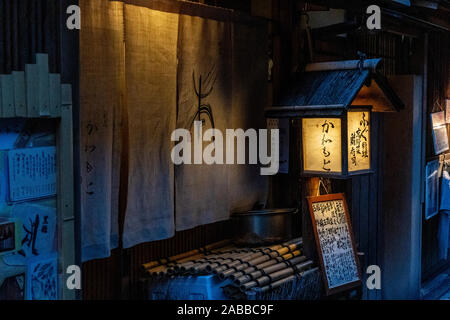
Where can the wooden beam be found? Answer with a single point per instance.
(342, 65)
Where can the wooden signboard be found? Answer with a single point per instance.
(335, 244)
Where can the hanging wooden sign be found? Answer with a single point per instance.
(334, 240)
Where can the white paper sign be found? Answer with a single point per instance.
(283, 126)
(335, 243)
(32, 173)
(431, 189)
(38, 231)
(42, 278)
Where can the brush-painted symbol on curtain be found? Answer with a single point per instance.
(203, 88)
(89, 167)
(89, 150)
(90, 185)
(91, 128)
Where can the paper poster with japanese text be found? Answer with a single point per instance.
(32, 173)
(38, 231)
(42, 278)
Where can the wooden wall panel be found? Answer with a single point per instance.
(402, 207)
(364, 197)
(438, 89)
(28, 27)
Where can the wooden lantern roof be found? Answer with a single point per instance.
(330, 88)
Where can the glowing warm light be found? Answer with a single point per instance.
(358, 134)
(322, 145)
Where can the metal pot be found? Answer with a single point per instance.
(261, 227)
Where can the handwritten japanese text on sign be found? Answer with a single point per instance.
(32, 173)
(336, 248)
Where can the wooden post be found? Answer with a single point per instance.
(65, 199)
(310, 188)
(70, 66)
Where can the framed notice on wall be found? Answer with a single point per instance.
(335, 242)
(32, 173)
(447, 111)
(9, 235)
(440, 138)
(432, 189)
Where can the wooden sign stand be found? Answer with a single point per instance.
(332, 198)
(36, 93)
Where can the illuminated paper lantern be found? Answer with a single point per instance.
(337, 146)
(336, 103)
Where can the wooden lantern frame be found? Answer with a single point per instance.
(332, 89)
(38, 94)
(345, 173)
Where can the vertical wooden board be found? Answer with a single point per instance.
(39, 22)
(380, 231)
(55, 95)
(364, 230)
(2, 41)
(31, 79)
(20, 102)
(43, 84)
(355, 210)
(66, 94)
(373, 202)
(1, 104)
(364, 213)
(15, 35)
(7, 40)
(402, 208)
(7, 87)
(65, 195)
(23, 33)
(67, 179)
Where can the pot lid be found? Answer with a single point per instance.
(264, 212)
